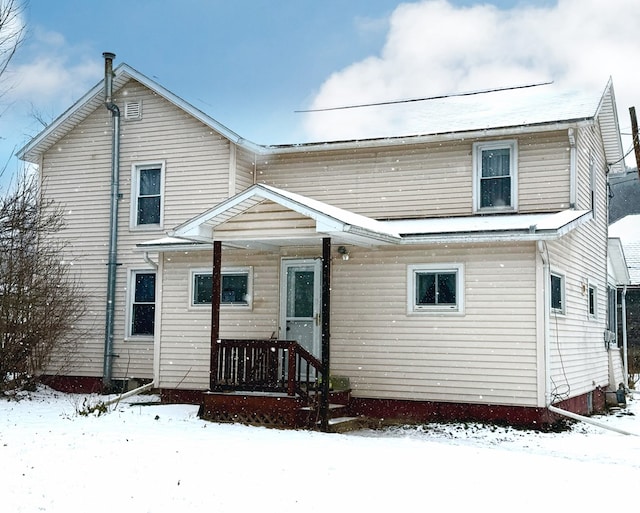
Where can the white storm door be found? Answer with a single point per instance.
(300, 303)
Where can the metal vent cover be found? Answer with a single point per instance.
(133, 110)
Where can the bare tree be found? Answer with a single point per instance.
(12, 30)
(40, 301)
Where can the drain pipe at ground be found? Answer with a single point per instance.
(130, 393)
(588, 420)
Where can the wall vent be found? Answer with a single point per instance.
(133, 110)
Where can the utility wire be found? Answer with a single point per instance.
(439, 97)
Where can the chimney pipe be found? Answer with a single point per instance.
(108, 76)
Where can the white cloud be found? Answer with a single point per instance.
(434, 47)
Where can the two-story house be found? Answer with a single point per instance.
(455, 267)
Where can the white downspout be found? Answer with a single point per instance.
(572, 169)
(546, 279)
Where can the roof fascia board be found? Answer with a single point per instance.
(122, 74)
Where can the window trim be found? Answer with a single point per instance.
(563, 293)
(225, 270)
(414, 269)
(135, 189)
(131, 290)
(478, 148)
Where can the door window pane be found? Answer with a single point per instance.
(300, 293)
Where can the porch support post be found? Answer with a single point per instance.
(326, 312)
(215, 312)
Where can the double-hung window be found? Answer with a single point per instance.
(147, 186)
(435, 288)
(495, 176)
(235, 287)
(142, 303)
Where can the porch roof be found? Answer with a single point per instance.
(346, 227)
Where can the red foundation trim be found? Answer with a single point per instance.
(74, 384)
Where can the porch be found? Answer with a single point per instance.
(274, 383)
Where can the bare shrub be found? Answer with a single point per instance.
(40, 300)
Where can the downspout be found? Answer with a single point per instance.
(546, 279)
(572, 168)
(113, 220)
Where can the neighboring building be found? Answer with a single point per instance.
(456, 268)
(624, 195)
(627, 230)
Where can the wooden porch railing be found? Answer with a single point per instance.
(264, 366)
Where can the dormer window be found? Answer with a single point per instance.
(495, 176)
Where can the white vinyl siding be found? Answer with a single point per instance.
(77, 174)
(420, 180)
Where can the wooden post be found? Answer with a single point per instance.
(216, 277)
(634, 135)
(326, 324)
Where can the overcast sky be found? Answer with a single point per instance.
(251, 64)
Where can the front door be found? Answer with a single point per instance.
(300, 303)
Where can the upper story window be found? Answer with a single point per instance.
(435, 288)
(495, 176)
(147, 183)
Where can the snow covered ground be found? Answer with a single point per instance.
(162, 458)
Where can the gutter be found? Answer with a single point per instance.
(113, 221)
(130, 393)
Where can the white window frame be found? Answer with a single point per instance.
(415, 309)
(590, 287)
(478, 148)
(248, 270)
(135, 193)
(563, 293)
(131, 290)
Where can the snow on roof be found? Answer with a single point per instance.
(523, 226)
(536, 105)
(627, 230)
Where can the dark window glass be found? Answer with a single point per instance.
(556, 292)
(592, 301)
(235, 289)
(143, 307)
(149, 197)
(436, 288)
(495, 179)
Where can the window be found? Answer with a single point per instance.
(557, 293)
(143, 303)
(592, 300)
(147, 186)
(495, 178)
(435, 288)
(235, 287)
